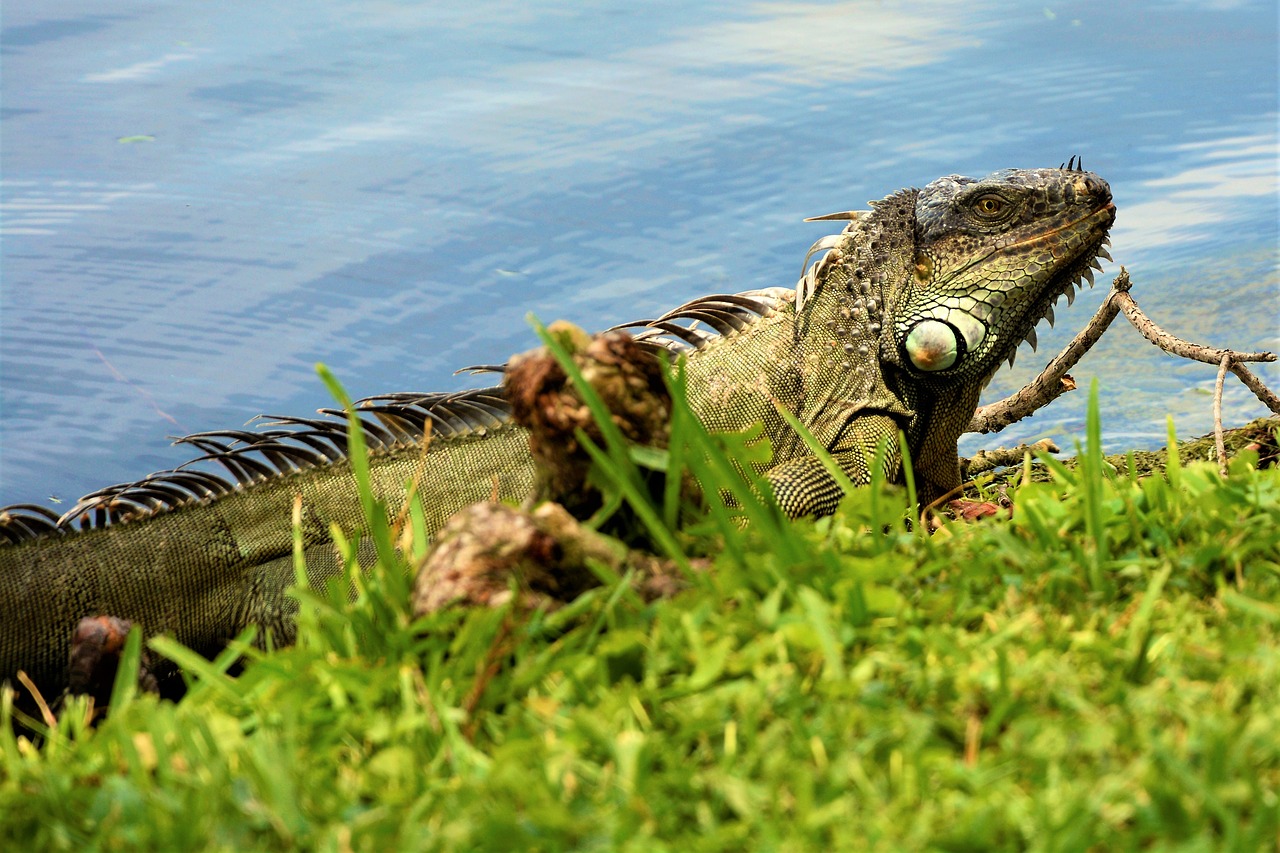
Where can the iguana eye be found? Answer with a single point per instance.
(933, 345)
(989, 206)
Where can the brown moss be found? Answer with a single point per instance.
(628, 380)
(488, 552)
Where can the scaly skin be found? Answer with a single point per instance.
(900, 324)
(942, 284)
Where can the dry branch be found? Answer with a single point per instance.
(1218, 442)
(1053, 381)
(988, 460)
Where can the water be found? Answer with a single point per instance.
(201, 201)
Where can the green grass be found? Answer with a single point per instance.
(1102, 671)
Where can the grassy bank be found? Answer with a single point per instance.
(1102, 670)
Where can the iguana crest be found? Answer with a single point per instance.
(391, 422)
(251, 457)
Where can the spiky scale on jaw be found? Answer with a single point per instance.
(957, 273)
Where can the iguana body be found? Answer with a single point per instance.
(899, 326)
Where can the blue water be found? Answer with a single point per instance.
(201, 201)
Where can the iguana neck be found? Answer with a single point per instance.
(844, 311)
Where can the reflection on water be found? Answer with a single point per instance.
(138, 70)
(199, 203)
(30, 207)
(1207, 194)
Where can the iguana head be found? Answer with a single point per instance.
(992, 255)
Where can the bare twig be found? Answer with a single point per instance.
(1254, 384)
(1217, 413)
(927, 518)
(1053, 381)
(485, 671)
(1225, 359)
(1177, 346)
(45, 712)
(972, 740)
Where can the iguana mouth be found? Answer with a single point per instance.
(1106, 211)
(1109, 209)
(1070, 276)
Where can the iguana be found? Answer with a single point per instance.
(898, 325)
